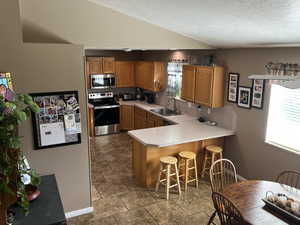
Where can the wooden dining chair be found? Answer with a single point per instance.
(222, 173)
(290, 178)
(228, 213)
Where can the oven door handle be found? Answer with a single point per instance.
(107, 107)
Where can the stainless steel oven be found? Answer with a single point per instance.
(106, 113)
(99, 81)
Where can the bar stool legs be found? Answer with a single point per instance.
(185, 158)
(165, 168)
(214, 151)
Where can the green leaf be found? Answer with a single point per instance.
(21, 116)
(27, 99)
(21, 97)
(10, 105)
(34, 107)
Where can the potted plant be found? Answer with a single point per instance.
(14, 110)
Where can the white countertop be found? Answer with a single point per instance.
(187, 129)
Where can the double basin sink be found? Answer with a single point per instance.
(165, 112)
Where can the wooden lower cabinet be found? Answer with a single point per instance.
(91, 124)
(144, 119)
(145, 159)
(154, 121)
(127, 117)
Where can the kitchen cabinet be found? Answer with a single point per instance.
(203, 85)
(140, 118)
(127, 117)
(144, 119)
(154, 121)
(94, 65)
(91, 124)
(108, 64)
(125, 73)
(188, 83)
(209, 87)
(100, 65)
(150, 75)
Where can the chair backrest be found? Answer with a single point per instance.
(228, 213)
(222, 173)
(290, 178)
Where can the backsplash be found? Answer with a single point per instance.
(225, 116)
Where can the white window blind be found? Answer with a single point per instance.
(283, 127)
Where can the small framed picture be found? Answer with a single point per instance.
(258, 88)
(244, 97)
(232, 90)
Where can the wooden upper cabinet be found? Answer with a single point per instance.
(94, 65)
(108, 65)
(144, 75)
(151, 76)
(209, 88)
(203, 85)
(125, 73)
(188, 83)
(100, 65)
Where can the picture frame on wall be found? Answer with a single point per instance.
(244, 97)
(258, 89)
(233, 84)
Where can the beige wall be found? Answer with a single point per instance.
(254, 158)
(44, 68)
(94, 26)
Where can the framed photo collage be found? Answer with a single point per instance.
(245, 97)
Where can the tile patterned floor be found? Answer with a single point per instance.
(117, 200)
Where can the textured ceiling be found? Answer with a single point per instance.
(221, 23)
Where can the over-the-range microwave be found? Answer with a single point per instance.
(99, 81)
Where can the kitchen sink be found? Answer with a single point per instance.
(165, 112)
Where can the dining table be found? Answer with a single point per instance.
(247, 196)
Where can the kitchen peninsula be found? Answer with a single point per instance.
(152, 143)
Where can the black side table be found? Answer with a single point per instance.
(47, 209)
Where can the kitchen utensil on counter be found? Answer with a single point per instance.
(150, 98)
(128, 97)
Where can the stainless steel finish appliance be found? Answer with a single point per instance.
(128, 97)
(106, 113)
(99, 81)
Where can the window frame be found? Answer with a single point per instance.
(274, 143)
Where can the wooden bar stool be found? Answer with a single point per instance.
(166, 164)
(210, 156)
(186, 158)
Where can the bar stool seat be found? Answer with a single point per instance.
(214, 149)
(168, 160)
(185, 158)
(166, 164)
(210, 156)
(187, 155)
